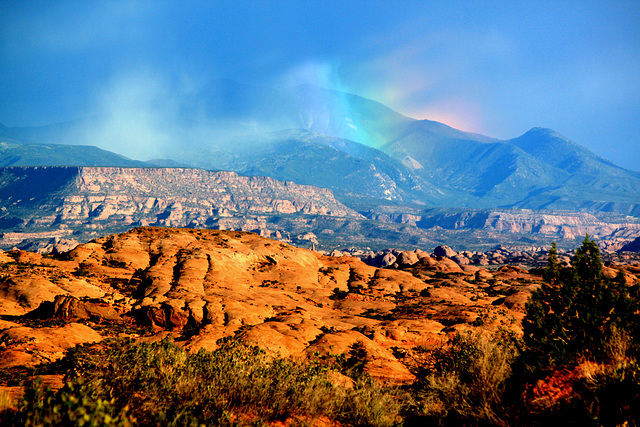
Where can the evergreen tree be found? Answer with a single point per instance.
(572, 315)
(551, 272)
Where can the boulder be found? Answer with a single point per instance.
(167, 315)
(462, 260)
(444, 251)
(407, 258)
(68, 308)
(387, 259)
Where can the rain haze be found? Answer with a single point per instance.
(493, 68)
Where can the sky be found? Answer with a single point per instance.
(496, 68)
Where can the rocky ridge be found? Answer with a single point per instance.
(561, 225)
(202, 285)
(52, 209)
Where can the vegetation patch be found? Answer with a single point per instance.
(120, 382)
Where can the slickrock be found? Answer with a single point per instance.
(198, 286)
(444, 251)
(380, 364)
(26, 346)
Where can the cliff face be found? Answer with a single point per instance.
(180, 196)
(105, 198)
(55, 208)
(555, 225)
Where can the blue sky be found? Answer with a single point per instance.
(497, 68)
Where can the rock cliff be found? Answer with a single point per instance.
(39, 200)
(559, 225)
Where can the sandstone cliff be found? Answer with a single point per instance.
(57, 201)
(610, 229)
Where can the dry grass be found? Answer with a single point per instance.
(467, 380)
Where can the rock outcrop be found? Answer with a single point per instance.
(633, 246)
(199, 286)
(77, 201)
(558, 225)
(203, 285)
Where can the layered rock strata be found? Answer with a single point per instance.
(55, 202)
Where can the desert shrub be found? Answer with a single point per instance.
(72, 405)
(368, 403)
(609, 393)
(5, 401)
(355, 362)
(160, 383)
(338, 294)
(463, 382)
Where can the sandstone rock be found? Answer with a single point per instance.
(440, 264)
(482, 260)
(282, 338)
(444, 251)
(380, 362)
(23, 294)
(407, 258)
(462, 260)
(68, 308)
(29, 347)
(421, 253)
(387, 260)
(168, 315)
(518, 300)
(226, 283)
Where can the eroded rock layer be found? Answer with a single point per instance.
(202, 285)
(55, 202)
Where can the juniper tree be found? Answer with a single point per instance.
(573, 314)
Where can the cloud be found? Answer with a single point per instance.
(132, 115)
(436, 73)
(68, 27)
(144, 113)
(321, 73)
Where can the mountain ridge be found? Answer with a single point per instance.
(370, 154)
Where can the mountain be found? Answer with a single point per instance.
(17, 154)
(369, 154)
(550, 147)
(539, 170)
(355, 172)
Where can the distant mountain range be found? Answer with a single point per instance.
(368, 154)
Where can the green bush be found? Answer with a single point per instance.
(584, 325)
(571, 317)
(160, 383)
(70, 406)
